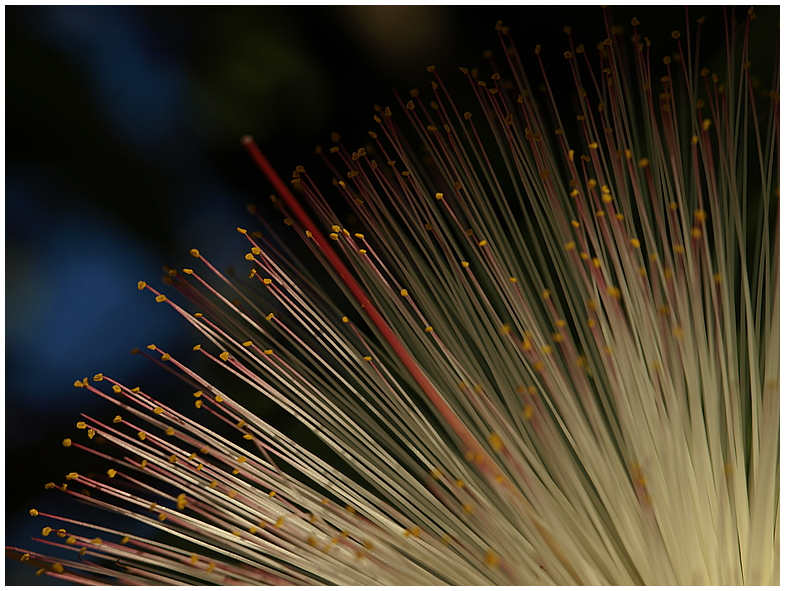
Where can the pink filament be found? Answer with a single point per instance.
(354, 287)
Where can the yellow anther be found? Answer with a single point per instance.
(169, 431)
(224, 356)
(158, 410)
(404, 293)
(116, 389)
(495, 441)
(569, 246)
(111, 472)
(218, 398)
(71, 476)
(575, 224)
(33, 512)
(160, 298)
(429, 329)
(491, 559)
(141, 285)
(367, 358)
(614, 292)
(546, 294)
(142, 435)
(635, 243)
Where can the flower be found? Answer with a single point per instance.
(557, 363)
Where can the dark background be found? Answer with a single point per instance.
(122, 153)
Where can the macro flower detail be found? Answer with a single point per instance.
(553, 358)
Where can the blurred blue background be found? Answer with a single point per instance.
(122, 153)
